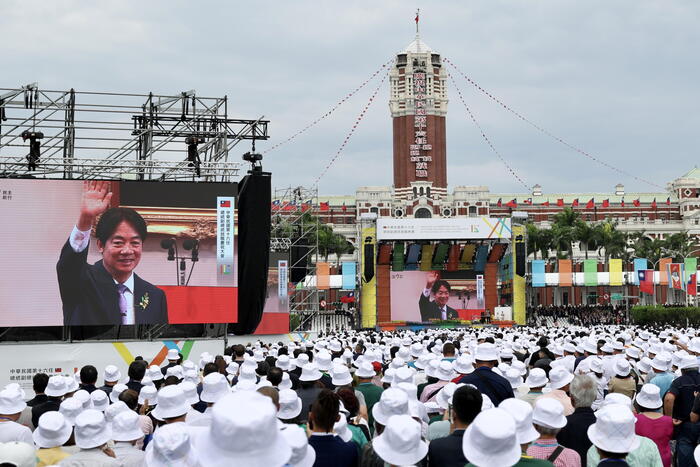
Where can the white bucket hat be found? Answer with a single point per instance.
(190, 390)
(537, 378)
(613, 430)
(661, 361)
(91, 430)
(491, 439)
(404, 375)
(284, 363)
(18, 454)
(191, 376)
(644, 365)
(622, 367)
(100, 400)
(154, 373)
(290, 405)
(115, 409)
(649, 397)
(400, 443)
(126, 427)
(444, 396)
(171, 447)
(521, 412)
(243, 431)
(688, 361)
(617, 398)
(309, 372)
(463, 365)
(559, 377)
(340, 375)
(393, 401)
(341, 429)
(84, 397)
(11, 401)
(286, 382)
(303, 455)
(53, 430)
(214, 387)
(173, 354)
(514, 378)
(112, 374)
(176, 371)
(150, 394)
(486, 352)
(444, 371)
(71, 408)
(72, 384)
(388, 376)
(365, 370)
(171, 403)
(117, 389)
(232, 368)
(323, 360)
(549, 413)
(56, 386)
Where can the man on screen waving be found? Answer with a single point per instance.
(437, 309)
(108, 292)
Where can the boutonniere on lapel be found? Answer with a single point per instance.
(143, 303)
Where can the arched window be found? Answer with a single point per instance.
(427, 192)
(423, 213)
(472, 211)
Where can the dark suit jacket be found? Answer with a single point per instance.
(430, 310)
(447, 452)
(41, 409)
(571, 435)
(39, 399)
(90, 295)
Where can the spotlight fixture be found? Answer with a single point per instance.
(34, 147)
(192, 153)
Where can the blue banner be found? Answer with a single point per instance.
(538, 278)
(349, 275)
(639, 264)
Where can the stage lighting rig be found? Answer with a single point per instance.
(34, 147)
(193, 153)
(255, 160)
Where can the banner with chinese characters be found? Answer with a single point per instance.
(283, 278)
(443, 229)
(225, 206)
(421, 145)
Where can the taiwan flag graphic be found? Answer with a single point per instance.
(225, 203)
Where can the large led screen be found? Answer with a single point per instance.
(117, 253)
(423, 296)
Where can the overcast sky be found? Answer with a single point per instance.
(618, 79)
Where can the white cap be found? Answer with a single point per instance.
(173, 354)
(486, 352)
(491, 439)
(117, 389)
(100, 400)
(649, 397)
(521, 412)
(303, 455)
(114, 410)
(171, 403)
(613, 430)
(340, 375)
(309, 372)
(393, 401)
(56, 386)
(150, 394)
(18, 454)
(365, 370)
(559, 377)
(11, 401)
(53, 430)
(71, 408)
(171, 447)
(549, 413)
(126, 427)
(214, 387)
(243, 431)
(400, 443)
(290, 405)
(537, 378)
(112, 374)
(91, 431)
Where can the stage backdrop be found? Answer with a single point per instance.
(407, 288)
(39, 215)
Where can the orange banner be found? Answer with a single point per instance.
(323, 276)
(565, 276)
(663, 272)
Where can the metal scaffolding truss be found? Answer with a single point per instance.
(295, 226)
(106, 134)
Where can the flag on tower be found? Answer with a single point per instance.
(668, 201)
(622, 202)
(653, 204)
(343, 207)
(417, 15)
(512, 203)
(606, 203)
(575, 202)
(636, 202)
(646, 280)
(499, 203)
(560, 202)
(590, 204)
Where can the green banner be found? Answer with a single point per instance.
(590, 272)
(691, 267)
(616, 296)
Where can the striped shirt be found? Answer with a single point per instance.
(542, 448)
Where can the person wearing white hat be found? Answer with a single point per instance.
(171, 447)
(444, 374)
(535, 381)
(494, 386)
(17, 454)
(679, 404)
(71, 408)
(548, 419)
(465, 406)
(330, 449)
(661, 375)
(51, 434)
(583, 391)
(174, 359)
(290, 406)
(559, 380)
(126, 432)
(190, 391)
(243, 431)
(11, 406)
(111, 376)
(55, 390)
(393, 401)
(92, 435)
(371, 392)
(309, 388)
(651, 423)
(100, 400)
(492, 440)
(303, 455)
(172, 405)
(400, 443)
(623, 381)
(116, 392)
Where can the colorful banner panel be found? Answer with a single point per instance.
(640, 264)
(443, 229)
(676, 276)
(691, 267)
(565, 276)
(349, 273)
(590, 272)
(538, 276)
(663, 270)
(323, 276)
(615, 267)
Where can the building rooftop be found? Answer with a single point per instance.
(418, 46)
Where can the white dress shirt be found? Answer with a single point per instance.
(443, 309)
(79, 240)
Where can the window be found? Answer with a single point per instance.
(423, 213)
(472, 211)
